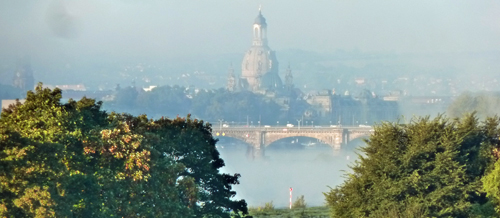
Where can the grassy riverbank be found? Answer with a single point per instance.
(285, 212)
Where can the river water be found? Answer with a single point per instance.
(309, 170)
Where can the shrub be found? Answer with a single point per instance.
(299, 202)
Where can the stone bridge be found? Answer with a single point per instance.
(259, 138)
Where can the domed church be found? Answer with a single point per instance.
(259, 69)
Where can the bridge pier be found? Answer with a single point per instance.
(255, 153)
(256, 139)
(345, 137)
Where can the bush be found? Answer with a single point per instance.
(268, 206)
(299, 203)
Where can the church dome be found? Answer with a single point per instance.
(259, 69)
(260, 19)
(258, 61)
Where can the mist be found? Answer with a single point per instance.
(73, 40)
(310, 171)
(420, 48)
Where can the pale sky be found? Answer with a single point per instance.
(51, 29)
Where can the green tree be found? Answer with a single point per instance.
(491, 182)
(484, 104)
(49, 163)
(73, 159)
(125, 99)
(300, 202)
(164, 101)
(433, 167)
(235, 106)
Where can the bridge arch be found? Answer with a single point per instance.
(334, 140)
(232, 144)
(355, 144)
(252, 137)
(354, 134)
(295, 142)
(228, 140)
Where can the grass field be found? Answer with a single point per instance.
(294, 213)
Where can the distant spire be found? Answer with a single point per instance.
(289, 78)
(260, 8)
(231, 80)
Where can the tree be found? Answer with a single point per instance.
(164, 101)
(300, 202)
(433, 167)
(46, 162)
(73, 159)
(484, 104)
(190, 143)
(125, 99)
(491, 182)
(235, 106)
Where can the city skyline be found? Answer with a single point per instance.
(132, 29)
(100, 44)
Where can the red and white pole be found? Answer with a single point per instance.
(291, 189)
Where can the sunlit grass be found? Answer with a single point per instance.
(285, 212)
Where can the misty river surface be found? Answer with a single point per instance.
(309, 171)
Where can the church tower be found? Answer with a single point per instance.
(231, 80)
(289, 79)
(260, 31)
(259, 69)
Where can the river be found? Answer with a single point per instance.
(308, 169)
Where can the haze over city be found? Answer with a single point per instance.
(298, 94)
(65, 39)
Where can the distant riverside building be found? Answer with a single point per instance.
(67, 87)
(259, 69)
(148, 89)
(7, 102)
(78, 87)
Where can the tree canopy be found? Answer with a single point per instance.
(211, 104)
(426, 168)
(76, 160)
(484, 104)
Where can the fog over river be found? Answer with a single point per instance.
(309, 168)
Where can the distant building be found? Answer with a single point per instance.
(77, 87)
(7, 102)
(289, 79)
(259, 69)
(260, 74)
(360, 81)
(77, 95)
(148, 89)
(231, 80)
(321, 103)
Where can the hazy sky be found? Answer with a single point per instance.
(53, 29)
